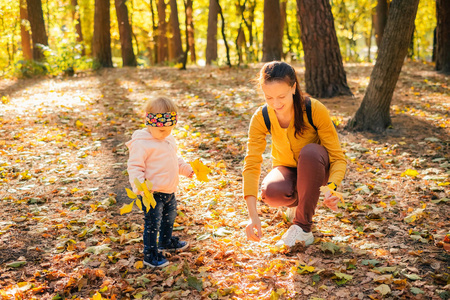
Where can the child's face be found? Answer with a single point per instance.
(160, 133)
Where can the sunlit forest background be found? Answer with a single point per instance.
(354, 23)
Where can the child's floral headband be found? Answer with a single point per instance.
(161, 119)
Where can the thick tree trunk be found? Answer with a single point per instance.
(175, 41)
(190, 30)
(38, 33)
(373, 114)
(101, 41)
(77, 20)
(443, 36)
(126, 34)
(381, 20)
(24, 33)
(163, 49)
(211, 40)
(324, 71)
(272, 35)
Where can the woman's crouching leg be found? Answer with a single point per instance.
(279, 187)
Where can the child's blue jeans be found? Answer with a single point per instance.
(159, 220)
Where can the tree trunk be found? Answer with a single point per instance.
(163, 50)
(154, 37)
(24, 33)
(443, 36)
(175, 41)
(77, 21)
(101, 41)
(272, 34)
(126, 34)
(190, 30)
(211, 40)
(38, 33)
(223, 34)
(381, 20)
(373, 114)
(324, 71)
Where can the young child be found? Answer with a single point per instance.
(153, 156)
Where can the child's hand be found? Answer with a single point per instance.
(191, 175)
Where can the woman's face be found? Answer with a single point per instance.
(279, 96)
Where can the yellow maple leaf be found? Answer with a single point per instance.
(201, 171)
(139, 264)
(79, 124)
(410, 173)
(97, 296)
(126, 208)
(326, 188)
(139, 204)
(131, 194)
(138, 184)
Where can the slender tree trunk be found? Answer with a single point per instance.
(38, 33)
(186, 23)
(283, 24)
(154, 37)
(101, 41)
(211, 40)
(126, 34)
(324, 71)
(24, 33)
(77, 21)
(177, 48)
(373, 114)
(190, 30)
(163, 50)
(443, 36)
(381, 20)
(272, 35)
(223, 34)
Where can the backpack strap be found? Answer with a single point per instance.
(308, 112)
(266, 117)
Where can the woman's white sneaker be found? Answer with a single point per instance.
(293, 235)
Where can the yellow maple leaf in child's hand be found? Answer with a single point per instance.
(139, 204)
(131, 194)
(126, 208)
(138, 185)
(326, 188)
(201, 171)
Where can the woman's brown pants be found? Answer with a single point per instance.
(285, 186)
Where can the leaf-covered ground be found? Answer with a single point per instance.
(63, 179)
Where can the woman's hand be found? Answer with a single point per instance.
(331, 201)
(255, 222)
(250, 230)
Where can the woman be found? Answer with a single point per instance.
(304, 156)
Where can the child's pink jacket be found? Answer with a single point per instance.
(155, 160)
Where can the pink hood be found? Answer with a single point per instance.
(155, 160)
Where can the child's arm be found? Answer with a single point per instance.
(185, 168)
(136, 165)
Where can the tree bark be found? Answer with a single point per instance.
(175, 41)
(373, 114)
(126, 34)
(101, 41)
(223, 34)
(211, 40)
(443, 36)
(382, 10)
(77, 20)
(38, 33)
(154, 37)
(272, 34)
(163, 50)
(324, 71)
(190, 30)
(24, 33)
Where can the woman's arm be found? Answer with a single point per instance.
(255, 222)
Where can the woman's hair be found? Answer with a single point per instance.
(282, 72)
(160, 105)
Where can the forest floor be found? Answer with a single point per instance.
(63, 179)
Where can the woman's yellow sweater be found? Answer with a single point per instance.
(286, 147)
